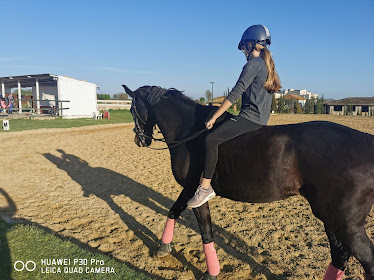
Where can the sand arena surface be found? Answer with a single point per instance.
(95, 185)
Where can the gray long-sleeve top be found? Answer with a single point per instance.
(256, 101)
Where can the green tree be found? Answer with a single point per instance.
(120, 96)
(238, 104)
(103, 96)
(24, 92)
(305, 108)
(297, 108)
(318, 107)
(309, 106)
(281, 104)
(273, 104)
(348, 109)
(208, 95)
(324, 106)
(202, 100)
(289, 106)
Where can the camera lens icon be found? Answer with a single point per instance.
(20, 266)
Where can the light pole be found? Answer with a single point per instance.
(212, 90)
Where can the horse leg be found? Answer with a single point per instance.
(344, 220)
(339, 255)
(363, 250)
(202, 214)
(349, 229)
(350, 238)
(178, 207)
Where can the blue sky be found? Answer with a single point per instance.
(323, 46)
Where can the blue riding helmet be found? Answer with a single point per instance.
(255, 34)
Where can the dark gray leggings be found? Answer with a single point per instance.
(228, 130)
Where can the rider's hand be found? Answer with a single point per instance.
(210, 123)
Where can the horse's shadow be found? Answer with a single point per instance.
(105, 183)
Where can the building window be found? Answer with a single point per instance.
(365, 109)
(338, 108)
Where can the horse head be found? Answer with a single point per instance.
(141, 109)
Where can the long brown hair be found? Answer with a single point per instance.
(272, 83)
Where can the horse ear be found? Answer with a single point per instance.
(128, 91)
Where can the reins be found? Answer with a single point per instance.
(176, 143)
(140, 132)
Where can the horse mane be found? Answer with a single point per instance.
(152, 94)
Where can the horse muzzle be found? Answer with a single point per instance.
(137, 141)
(142, 141)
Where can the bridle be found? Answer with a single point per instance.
(137, 130)
(140, 133)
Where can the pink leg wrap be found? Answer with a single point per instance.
(167, 236)
(211, 259)
(333, 273)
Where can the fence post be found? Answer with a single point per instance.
(19, 98)
(37, 96)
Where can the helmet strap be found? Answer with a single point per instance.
(250, 51)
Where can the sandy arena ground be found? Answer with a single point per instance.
(94, 185)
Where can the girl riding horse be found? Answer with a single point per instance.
(256, 84)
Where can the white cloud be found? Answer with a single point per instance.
(20, 66)
(12, 58)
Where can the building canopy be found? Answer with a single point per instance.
(29, 80)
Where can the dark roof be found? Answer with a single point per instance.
(29, 80)
(353, 101)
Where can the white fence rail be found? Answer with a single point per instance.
(113, 104)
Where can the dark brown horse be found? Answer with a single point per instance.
(331, 165)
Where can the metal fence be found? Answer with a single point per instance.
(54, 110)
(113, 104)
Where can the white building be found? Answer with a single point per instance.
(300, 92)
(73, 98)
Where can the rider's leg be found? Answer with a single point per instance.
(230, 129)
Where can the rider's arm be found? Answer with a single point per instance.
(223, 108)
(248, 74)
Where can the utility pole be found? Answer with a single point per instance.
(212, 90)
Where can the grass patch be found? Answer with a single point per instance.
(233, 112)
(27, 242)
(116, 116)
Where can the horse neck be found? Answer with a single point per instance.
(176, 118)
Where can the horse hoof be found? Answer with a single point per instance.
(207, 276)
(164, 250)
